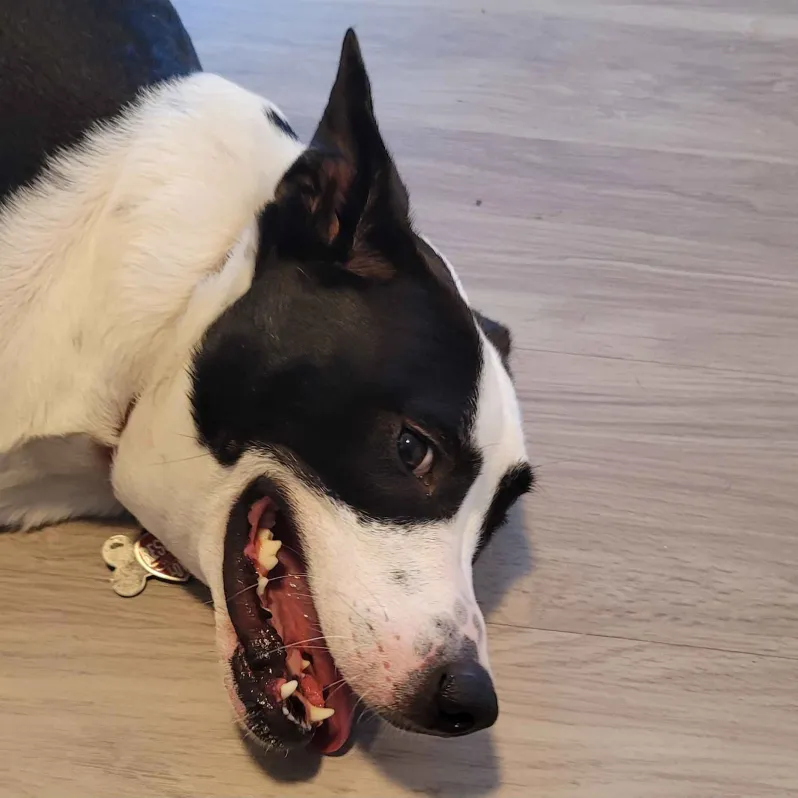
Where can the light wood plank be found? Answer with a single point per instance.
(616, 180)
(123, 697)
(650, 76)
(666, 506)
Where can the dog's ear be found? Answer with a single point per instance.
(345, 184)
(348, 124)
(497, 334)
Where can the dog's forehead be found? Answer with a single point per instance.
(411, 339)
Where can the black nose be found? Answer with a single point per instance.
(457, 698)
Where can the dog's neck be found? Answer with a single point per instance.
(116, 261)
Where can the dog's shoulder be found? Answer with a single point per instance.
(125, 233)
(67, 65)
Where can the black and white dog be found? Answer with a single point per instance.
(245, 343)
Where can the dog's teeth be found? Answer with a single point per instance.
(305, 665)
(267, 563)
(262, 582)
(267, 550)
(288, 689)
(319, 714)
(270, 547)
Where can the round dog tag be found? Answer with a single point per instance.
(155, 559)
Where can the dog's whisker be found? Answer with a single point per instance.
(210, 602)
(183, 459)
(235, 595)
(293, 551)
(316, 639)
(335, 687)
(351, 606)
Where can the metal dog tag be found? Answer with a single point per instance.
(133, 562)
(156, 560)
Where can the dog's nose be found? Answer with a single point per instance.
(466, 700)
(457, 698)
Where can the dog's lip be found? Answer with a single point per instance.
(259, 664)
(265, 718)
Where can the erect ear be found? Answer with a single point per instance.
(497, 334)
(346, 181)
(349, 127)
(348, 124)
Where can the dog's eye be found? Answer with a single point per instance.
(415, 452)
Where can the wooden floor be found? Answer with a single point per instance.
(620, 182)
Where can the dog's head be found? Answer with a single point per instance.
(343, 440)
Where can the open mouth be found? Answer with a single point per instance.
(284, 674)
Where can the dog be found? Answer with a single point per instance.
(243, 342)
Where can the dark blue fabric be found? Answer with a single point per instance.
(67, 64)
(159, 46)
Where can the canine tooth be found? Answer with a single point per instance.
(264, 535)
(288, 689)
(305, 665)
(262, 582)
(319, 714)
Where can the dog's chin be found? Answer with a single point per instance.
(286, 680)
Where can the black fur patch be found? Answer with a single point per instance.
(280, 123)
(498, 335)
(514, 484)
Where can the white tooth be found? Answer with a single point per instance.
(305, 664)
(270, 547)
(264, 535)
(267, 563)
(319, 714)
(288, 689)
(262, 582)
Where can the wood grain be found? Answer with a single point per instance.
(618, 181)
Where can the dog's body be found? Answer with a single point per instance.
(201, 318)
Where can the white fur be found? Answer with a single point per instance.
(146, 228)
(113, 266)
(47, 479)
